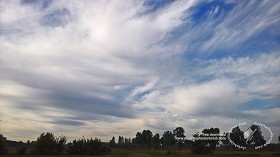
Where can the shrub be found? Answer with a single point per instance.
(200, 147)
(48, 144)
(3, 149)
(88, 147)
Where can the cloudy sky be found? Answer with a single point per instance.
(108, 68)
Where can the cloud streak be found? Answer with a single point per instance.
(130, 65)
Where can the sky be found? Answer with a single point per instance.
(115, 67)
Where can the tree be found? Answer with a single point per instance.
(3, 149)
(121, 140)
(212, 132)
(96, 147)
(203, 146)
(257, 138)
(144, 139)
(147, 137)
(200, 146)
(179, 133)
(279, 138)
(225, 143)
(48, 144)
(60, 144)
(138, 139)
(156, 140)
(45, 144)
(112, 142)
(237, 136)
(127, 141)
(168, 139)
(87, 147)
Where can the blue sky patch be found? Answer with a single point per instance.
(261, 104)
(211, 10)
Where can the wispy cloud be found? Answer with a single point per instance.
(98, 65)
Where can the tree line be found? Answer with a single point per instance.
(49, 144)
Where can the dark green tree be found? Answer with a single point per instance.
(200, 146)
(179, 133)
(77, 147)
(156, 140)
(168, 139)
(237, 136)
(147, 137)
(60, 144)
(127, 141)
(112, 142)
(88, 147)
(121, 140)
(3, 148)
(225, 143)
(138, 140)
(45, 144)
(207, 145)
(257, 138)
(212, 132)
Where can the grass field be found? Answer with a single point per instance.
(177, 153)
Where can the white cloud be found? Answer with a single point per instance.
(98, 57)
(68, 51)
(194, 98)
(257, 75)
(217, 102)
(241, 23)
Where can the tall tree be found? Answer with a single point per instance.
(60, 144)
(121, 140)
(147, 137)
(226, 143)
(257, 137)
(138, 139)
(212, 132)
(179, 133)
(156, 140)
(168, 139)
(201, 146)
(112, 142)
(45, 144)
(237, 136)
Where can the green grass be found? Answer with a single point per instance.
(172, 153)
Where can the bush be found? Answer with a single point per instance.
(3, 149)
(60, 144)
(200, 147)
(88, 147)
(48, 144)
